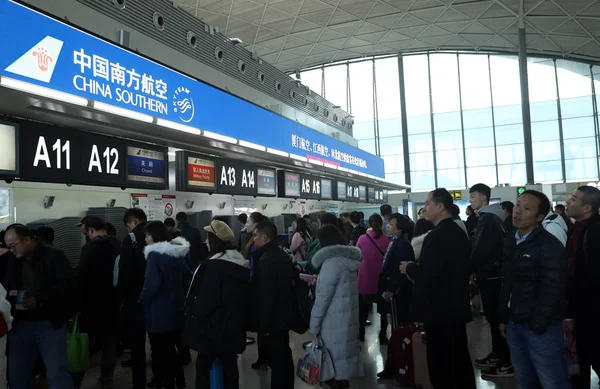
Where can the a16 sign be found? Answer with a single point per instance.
(236, 178)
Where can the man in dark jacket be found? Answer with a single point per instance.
(214, 322)
(560, 209)
(584, 279)
(440, 297)
(276, 299)
(532, 299)
(486, 260)
(40, 285)
(358, 230)
(192, 235)
(507, 208)
(132, 271)
(471, 222)
(99, 306)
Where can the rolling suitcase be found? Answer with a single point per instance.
(410, 354)
(216, 375)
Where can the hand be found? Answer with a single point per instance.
(403, 266)
(502, 328)
(387, 296)
(313, 282)
(29, 303)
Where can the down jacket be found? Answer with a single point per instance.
(335, 313)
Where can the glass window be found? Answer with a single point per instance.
(361, 90)
(506, 81)
(514, 174)
(396, 178)
(389, 146)
(578, 128)
(390, 127)
(481, 156)
(335, 86)
(582, 169)
(546, 151)
(451, 178)
(417, 85)
(480, 137)
(542, 89)
(394, 163)
(421, 161)
(422, 180)
(419, 124)
(364, 130)
(367, 145)
(4, 208)
(313, 79)
(543, 110)
(444, 83)
(449, 159)
(419, 143)
(483, 174)
(508, 114)
(446, 121)
(475, 83)
(451, 140)
(511, 153)
(550, 171)
(388, 89)
(506, 135)
(477, 118)
(542, 131)
(580, 148)
(575, 88)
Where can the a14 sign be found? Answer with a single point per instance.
(236, 178)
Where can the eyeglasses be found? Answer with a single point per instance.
(13, 248)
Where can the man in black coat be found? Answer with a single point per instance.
(440, 297)
(534, 279)
(358, 229)
(584, 279)
(276, 301)
(41, 286)
(99, 305)
(132, 273)
(192, 235)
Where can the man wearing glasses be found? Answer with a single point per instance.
(40, 284)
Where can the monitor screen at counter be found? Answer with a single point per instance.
(266, 182)
(8, 156)
(341, 190)
(145, 165)
(200, 172)
(325, 188)
(292, 184)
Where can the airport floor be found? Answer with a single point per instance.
(373, 358)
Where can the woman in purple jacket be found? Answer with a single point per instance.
(373, 245)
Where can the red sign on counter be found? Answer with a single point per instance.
(201, 173)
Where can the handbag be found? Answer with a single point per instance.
(78, 350)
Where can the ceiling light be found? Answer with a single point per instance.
(178, 126)
(343, 169)
(123, 112)
(329, 165)
(251, 145)
(42, 91)
(277, 152)
(316, 162)
(298, 157)
(172, 154)
(220, 137)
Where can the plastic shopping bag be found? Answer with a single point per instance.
(78, 351)
(316, 365)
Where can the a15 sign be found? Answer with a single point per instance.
(310, 187)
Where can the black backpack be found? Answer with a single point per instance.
(303, 299)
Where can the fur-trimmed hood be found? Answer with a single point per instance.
(177, 248)
(352, 256)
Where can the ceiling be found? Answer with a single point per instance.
(296, 34)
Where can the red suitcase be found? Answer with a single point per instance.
(410, 355)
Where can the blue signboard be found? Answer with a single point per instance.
(43, 51)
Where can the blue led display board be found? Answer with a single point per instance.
(41, 50)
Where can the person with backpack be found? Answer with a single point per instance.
(335, 314)
(132, 271)
(214, 327)
(373, 245)
(99, 306)
(275, 304)
(301, 240)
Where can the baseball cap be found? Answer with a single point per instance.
(82, 222)
(221, 230)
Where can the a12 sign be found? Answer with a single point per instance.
(236, 178)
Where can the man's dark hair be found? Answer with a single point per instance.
(442, 196)
(330, 235)
(345, 214)
(420, 210)
(385, 210)
(243, 218)
(328, 219)
(355, 217)
(46, 234)
(362, 215)
(560, 206)
(544, 202)
(455, 210)
(158, 231)
(96, 223)
(482, 189)
(591, 197)
(134, 214)
(258, 217)
(111, 229)
(169, 222)
(20, 230)
(181, 217)
(507, 206)
(267, 228)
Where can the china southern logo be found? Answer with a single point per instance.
(39, 61)
(183, 104)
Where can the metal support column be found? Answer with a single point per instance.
(596, 124)
(376, 114)
(435, 172)
(525, 102)
(462, 121)
(404, 120)
(560, 125)
(493, 118)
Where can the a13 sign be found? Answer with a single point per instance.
(236, 178)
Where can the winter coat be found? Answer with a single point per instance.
(417, 244)
(556, 225)
(193, 236)
(534, 280)
(56, 286)
(99, 305)
(471, 224)
(5, 308)
(276, 295)
(335, 313)
(507, 224)
(132, 265)
(356, 233)
(461, 224)
(488, 243)
(373, 249)
(299, 247)
(163, 295)
(214, 309)
(392, 280)
(441, 291)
